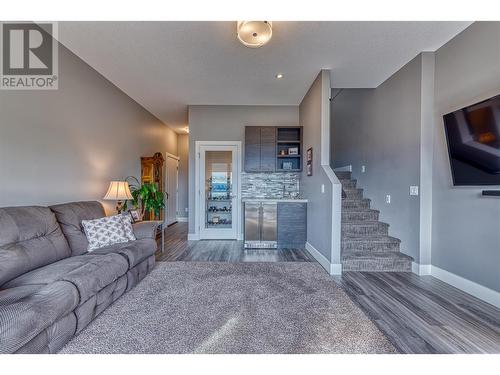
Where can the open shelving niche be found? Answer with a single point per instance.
(286, 138)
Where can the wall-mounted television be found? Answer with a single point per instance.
(473, 136)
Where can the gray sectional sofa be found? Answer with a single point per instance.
(50, 286)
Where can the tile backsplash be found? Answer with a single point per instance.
(269, 185)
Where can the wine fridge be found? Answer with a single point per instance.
(261, 225)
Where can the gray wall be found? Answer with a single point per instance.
(227, 123)
(466, 227)
(183, 154)
(380, 128)
(319, 207)
(67, 144)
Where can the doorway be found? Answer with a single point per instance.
(218, 185)
(171, 188)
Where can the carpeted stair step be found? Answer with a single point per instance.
(353, 203)
(366, 244)
(371, 244)
(343, 175)
(365, 228)
(348, 184)
(354, 193)
(376, 262)
(359, 215)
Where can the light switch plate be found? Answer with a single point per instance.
(388, 199)
(413, 190)
(363, 169)
(322, 188)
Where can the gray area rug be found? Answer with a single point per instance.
(190, 307)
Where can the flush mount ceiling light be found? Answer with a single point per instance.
(279, 75)
(254, 34)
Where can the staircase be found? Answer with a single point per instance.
(366, 244)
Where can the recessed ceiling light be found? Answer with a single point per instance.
(279, 75)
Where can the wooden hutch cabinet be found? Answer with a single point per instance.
(152, 171)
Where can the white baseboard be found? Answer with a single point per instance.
(193, 236)
(182, 219)
(346, 168)
(331, 268)
(421, 269)
(479, 291)
(486, 294)
(320, 258)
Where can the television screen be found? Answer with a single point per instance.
(473, 135)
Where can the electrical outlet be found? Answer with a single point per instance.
(388, 199)
(413, 190)
(363, 169)
(322, 188)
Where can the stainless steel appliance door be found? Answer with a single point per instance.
(252, 225)
(269, 222)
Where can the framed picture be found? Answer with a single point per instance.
(293, 151)
(309, 164)
(135, 215)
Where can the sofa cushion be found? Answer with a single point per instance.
(96, 274)
(49, 273)
(26, 311)
(30, 237)
(135, 252)
(70, 216)
(87, 274)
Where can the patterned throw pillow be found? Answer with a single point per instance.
(104, 231)
(127, 226)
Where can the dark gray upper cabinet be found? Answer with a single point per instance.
(273, 149)
(252, 149)
(267, 149)
(260, 149)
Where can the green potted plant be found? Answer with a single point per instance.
(146, 197)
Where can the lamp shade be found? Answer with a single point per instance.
(118, 191)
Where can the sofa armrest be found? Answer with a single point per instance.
(145, 229)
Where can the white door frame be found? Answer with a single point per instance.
(199, 215)
(172, 156)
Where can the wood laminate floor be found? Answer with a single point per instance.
(178, 248)
(419, 314)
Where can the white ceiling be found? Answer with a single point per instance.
(166, 66)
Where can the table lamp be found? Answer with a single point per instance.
(118, 191)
